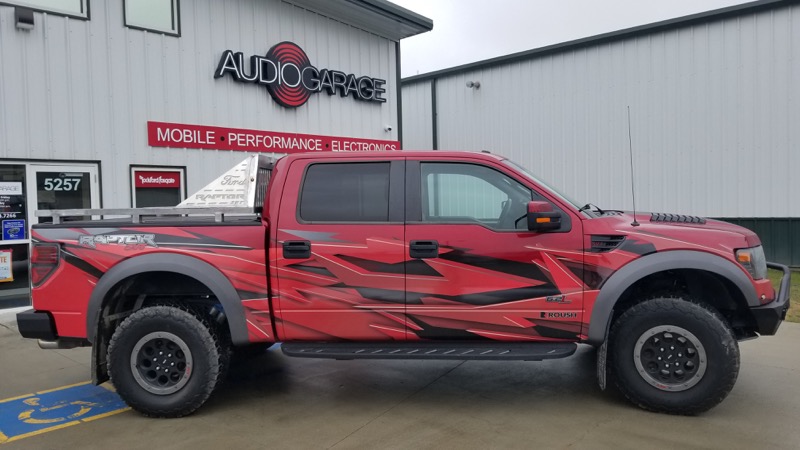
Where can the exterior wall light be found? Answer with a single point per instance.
(23, 17)
(474, 84)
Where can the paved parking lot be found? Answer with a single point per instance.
(279, 402)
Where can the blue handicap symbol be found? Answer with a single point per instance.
(38, 412)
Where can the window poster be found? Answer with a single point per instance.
(13, 229)
(6, 273)
(13, 201)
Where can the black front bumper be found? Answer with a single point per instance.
(36, 325)
(770, 316)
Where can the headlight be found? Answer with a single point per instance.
(754, 261)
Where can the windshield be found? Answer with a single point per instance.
(541, 183)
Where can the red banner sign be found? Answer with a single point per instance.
(152, 179)
(179, 135)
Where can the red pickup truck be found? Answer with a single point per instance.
(427, 255)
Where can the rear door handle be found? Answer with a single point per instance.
(423, 249)
(296, 249)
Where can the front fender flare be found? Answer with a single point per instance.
(201, 271)
(615, 286)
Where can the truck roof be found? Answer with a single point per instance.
(386, 154)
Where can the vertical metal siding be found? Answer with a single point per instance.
(417, 116)
(84, 90)
(714, 110)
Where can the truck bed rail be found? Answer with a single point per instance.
(137, 214)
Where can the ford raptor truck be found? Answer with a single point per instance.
(400, 255)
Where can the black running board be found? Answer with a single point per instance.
(534, 351)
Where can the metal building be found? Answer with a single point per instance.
(714, 105)
(122, 103)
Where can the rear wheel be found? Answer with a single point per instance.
(164, 361)
(673, 355)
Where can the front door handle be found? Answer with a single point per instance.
(296, 249)
(423, 249)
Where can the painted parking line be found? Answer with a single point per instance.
(33, 414)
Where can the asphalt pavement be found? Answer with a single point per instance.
(277, 402)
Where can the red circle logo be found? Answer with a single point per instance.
(290, 61)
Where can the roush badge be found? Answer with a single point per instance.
(290, 79)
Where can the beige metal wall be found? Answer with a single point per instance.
(715, 111)
(84, 90)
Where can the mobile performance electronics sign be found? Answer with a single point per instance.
(290, 78)
(182, 135)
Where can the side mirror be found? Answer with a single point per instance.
(541, 217)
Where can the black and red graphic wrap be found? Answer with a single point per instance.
(237, 252)
(290, 60)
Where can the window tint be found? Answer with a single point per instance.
(154, 15)
(471, 193)
(77, 8)
(351, 192)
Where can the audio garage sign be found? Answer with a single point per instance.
(290, 78)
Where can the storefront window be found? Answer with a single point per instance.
(74, 8)
(13, 249)
(157, 186)
(26, 187)
(13, 204)
(63, 190)
(153, 15)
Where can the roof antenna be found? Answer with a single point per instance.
(630, 149)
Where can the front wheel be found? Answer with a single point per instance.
(673, 355)
(164, 361)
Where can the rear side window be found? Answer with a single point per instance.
(348, 192)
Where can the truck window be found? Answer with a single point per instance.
(345, 192)
(457, 192)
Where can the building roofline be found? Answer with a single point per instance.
(671, 24)
(380, 17)
(396, 12)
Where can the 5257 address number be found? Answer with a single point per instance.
(62, 184)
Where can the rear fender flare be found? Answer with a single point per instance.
(625, 277)
(201, 271)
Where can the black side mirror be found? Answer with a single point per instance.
(541, 217)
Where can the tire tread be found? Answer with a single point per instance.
(132, 393)
(708, 318)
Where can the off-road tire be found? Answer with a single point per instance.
(678, 317)
(219, 331)
(187, 331)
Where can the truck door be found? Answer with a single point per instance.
(474, 269)
(340, 251)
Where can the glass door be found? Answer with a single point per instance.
(25, 188)
(54, 186)
(14, 239)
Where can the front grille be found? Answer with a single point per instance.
(676, 218)
(605, 243)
